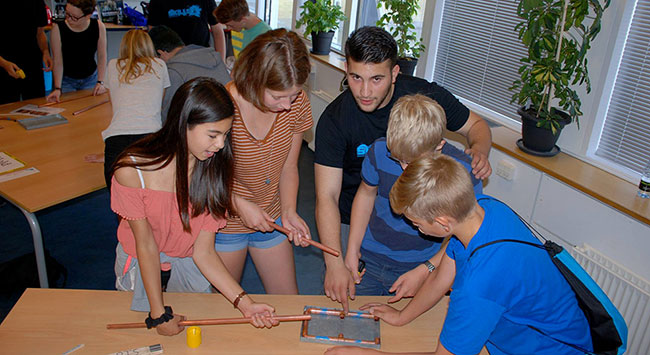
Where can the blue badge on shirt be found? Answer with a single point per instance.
(362, 149)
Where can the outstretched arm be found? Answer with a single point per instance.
(289, 181)
(362, 207)
(101, 60)
(219, 38)
(55, 41)
(328, 219)
(211, 266)
(478, 135)
(148, 255)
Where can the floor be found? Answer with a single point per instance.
(80, 235)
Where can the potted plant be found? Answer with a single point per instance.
(321, 18)
(558, 35)
(398, 21)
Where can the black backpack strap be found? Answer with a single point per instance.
(501, 241)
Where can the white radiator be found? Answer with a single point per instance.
(629, 293)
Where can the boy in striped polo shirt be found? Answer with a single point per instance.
(397, 256)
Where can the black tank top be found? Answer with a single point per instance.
(78, 50)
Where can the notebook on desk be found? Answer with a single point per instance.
(42, 121)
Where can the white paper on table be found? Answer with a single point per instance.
(34, 110)
(18, 174)
(9, 163)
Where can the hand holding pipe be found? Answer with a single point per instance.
(310, 241)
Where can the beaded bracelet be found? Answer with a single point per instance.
(235, 303)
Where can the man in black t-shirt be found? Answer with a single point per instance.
(23, 46)
(193, 20)
(354, 120)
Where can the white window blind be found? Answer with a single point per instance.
(625, 138)
(478, 52)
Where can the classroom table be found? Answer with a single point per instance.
(54, 321)
(58, 153)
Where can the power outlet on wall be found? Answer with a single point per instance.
(506, 169)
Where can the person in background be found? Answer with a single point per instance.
(173, 191)
(271, 113)
(136, 82)
(354, 120)
(398, 258)
(508, 297)
(185, 62)
(193, 20)
(75, 41)
(24, 51)
(244, 25)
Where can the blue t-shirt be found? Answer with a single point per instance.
(506, 288)
(390, 234)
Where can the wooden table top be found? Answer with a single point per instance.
(53, 321)
(57, 152)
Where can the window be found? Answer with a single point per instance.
(478, 53)
(626, 131)
(369, 14)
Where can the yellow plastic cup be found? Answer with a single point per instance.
(193, 337)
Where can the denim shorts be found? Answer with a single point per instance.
(69, 84)
(261, 240)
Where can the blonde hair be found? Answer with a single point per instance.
(416, 125)
(136, 55)
(433, 185)
(276, 60)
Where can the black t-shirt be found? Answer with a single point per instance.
(78, 50)
(18, 41)
(189, 18)
(344, 132)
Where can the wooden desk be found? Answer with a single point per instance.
(53, 321)
(58, 153)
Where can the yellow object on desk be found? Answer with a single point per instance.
(193, 337)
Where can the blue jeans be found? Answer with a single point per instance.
(381, 273)
(69, 84)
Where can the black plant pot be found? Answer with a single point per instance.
(407, 65)
(539, 139)
(321, 42)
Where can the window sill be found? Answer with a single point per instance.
(597, 183)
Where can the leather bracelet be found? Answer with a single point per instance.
(165, 317)
(100, 82)
(58, 89)
(235, 303)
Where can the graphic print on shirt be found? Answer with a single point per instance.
(362, 149)
(194, 10)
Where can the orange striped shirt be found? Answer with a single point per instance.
(258, 163)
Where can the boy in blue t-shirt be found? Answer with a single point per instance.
(508, 297)
(397, 256)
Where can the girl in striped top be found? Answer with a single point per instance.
(271, 114)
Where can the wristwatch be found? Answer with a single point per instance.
(429, 266)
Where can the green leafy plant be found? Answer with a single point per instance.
(320, 16)
(558, 35)
(398, 20)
